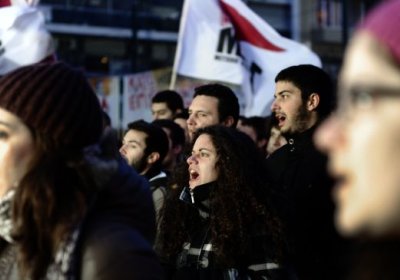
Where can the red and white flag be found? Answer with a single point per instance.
(24, 39)
(5, 3)
(224, 40)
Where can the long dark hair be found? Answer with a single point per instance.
(49, 202)
(238, 202)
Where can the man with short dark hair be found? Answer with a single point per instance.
(303, 97)
(144, 147)
(166, 104)
(212, 104)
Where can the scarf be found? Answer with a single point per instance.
(5, 215)
(61, 268)
(64, 261)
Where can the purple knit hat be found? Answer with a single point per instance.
(55, 100)
(383, 23)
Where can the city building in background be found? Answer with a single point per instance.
(114, 36)
(128, 36)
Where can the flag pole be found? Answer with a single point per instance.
(178, 51)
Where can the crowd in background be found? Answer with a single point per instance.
(309, 192)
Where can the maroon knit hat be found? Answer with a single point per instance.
(54, 100)
(383, 23)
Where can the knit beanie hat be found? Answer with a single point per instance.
(54, 100)
(383, 23)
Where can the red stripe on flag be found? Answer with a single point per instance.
(5, 3)
(245, 31)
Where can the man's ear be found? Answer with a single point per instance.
(153, 157)
(313, 101)
(229, 121)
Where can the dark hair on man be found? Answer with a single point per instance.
(173, 100)
(156, 140)
(182, 115)
(311, 79)
(177, 134)
(228, 104)
(258, 124)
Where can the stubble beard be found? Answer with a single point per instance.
(300, 122)
(140, 165)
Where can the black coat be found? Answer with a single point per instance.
(116, 235)
(120, 231)
(376, 259)
(197, 259)
(297, 171)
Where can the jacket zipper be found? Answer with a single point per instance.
(191, 195)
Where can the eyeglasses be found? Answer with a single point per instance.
(362, 98)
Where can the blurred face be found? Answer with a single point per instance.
(202, 162)
(182, 123)
(202, 112)
(16, 150)
(133, 150)
(276, 140)
(249, 130)
(161, 111)
(363, 142)
(289, 109)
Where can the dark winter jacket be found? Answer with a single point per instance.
(298, 173)
(376, 259)
(197, 259)
(116, 236)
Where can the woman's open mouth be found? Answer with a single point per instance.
(193, 174)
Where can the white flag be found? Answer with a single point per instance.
(223, 40)
(5, 3)
(24, 39)
(200, 55)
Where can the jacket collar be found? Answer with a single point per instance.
(302, 138)
(199, 197)
(198, 194)
(152, 172)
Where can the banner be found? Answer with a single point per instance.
(108, 91)
(138, 90)
(225, 41)
(128, 98)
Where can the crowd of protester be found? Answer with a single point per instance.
(310, 192)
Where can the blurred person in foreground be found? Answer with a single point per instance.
(70, 208)
(362, 141)
(221, 225)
